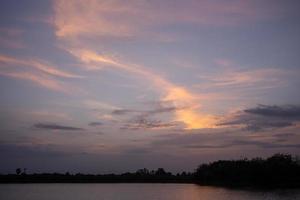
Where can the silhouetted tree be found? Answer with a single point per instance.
(24, 171)
(142, 172)
(277, 170)
(18, 171)
(160, 172)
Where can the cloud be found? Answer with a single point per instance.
(80, 22)
(266, 145)
(95, 123)
(122, 111)
(37, 71)
(11, 43)
(264, 117)
(159, 107)
(177, 95)
(153, 117)
(11, 38)
(92, 19)
(49, 126)
(116, 18)
(50, 115)
(40, 79)
(226, 138)
(95, 105)
(287, 111)
(147, 118)
(144, 123)
(42, 66)
(264, 78)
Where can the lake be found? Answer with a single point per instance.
(136, 192)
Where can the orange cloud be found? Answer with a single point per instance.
(117, 18)
(41, 80)
(40, 65)
(179, 96)
(265, 78)
(114, 18)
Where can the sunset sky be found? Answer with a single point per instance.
(99, 86)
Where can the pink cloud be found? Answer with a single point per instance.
(119, 19)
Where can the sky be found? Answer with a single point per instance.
(96, 86)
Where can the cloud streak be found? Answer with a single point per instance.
(49, 126)
(39, 72)
(80, 21)
(39, 65)
(39, 79)
(95, 124)
(266, 145)
(264, 117)
(143, 123)
(264, 78)
(11, 38)
(288, 111)
(114, 18)
(179, 96)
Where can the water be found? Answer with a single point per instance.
(136, 192)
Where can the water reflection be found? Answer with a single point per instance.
(136, 192)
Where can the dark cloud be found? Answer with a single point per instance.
(122, 111)
(163, 110)
(265, 117)
(50, 126)
(263, 124)
(225, 140)
(284, 135)
(145, 112)
(95, 124)
(137, 150)
(143, 119)
(157, 107)
(288, 111)
(143, 123)
(245, 143)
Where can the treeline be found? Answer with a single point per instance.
(279, 170)
(140, 176)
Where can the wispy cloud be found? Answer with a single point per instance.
(40, 80)
(39, 72)
(78, 20)
(159, 107)
(40, 65)
(11, 38)
(264, 78)
(144, 123)
(118, 19)
(179, 96)
(99, 105)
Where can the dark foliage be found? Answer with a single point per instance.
(279, 170)
(140, 176)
